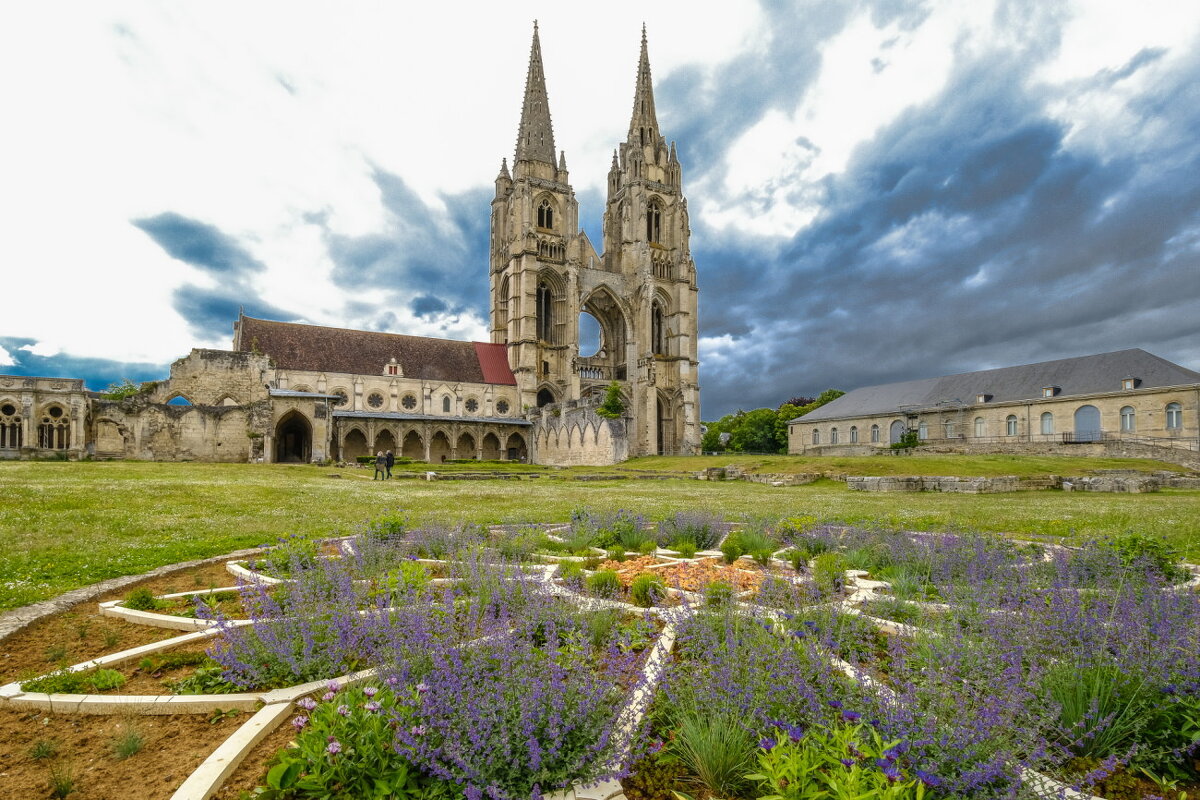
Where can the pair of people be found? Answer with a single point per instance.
(383, 465)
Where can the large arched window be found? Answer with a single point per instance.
(1128, 422)
(875, 434)
(446, 404)
(1174, 416)
(980, 427)
(54, 431)
(1047, 423)
(545, 214)
(833, 436)
(654, 222)
(853, 434)
(657, 334)
(545, 324)
(816, 436)
(10, 427)
(1010, 425)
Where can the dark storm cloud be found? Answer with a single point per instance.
(97, 373)
(199, 244)
(967, 234)
(210, 311)
(441, 253)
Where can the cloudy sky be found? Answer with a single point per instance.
(879, 190)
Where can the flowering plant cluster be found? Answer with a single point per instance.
(844, 760)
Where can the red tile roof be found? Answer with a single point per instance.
(319, 349)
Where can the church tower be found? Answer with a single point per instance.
(646, 240)
(535, 225)
(641, 291)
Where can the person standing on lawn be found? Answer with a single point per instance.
(389, 462)
(380, 467)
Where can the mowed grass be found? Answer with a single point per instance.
(65, 525)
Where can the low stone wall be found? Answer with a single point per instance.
(933, 483)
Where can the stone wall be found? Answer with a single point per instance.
(1107, 449)
(217, 377)
(578, 437)
(141, 429)
(934, 483)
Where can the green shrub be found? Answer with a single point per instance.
(718, 594)
(647, 589)
(684, 547)
(142, 599)
(616, 553)
(718, 749)
(58, 682)
(798, 558)
(1147, 552)
(571, 572)
(829, 572)
(604, 583)
(731, 550)
(105, 679)
(1100, 708)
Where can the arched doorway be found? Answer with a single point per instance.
(354, 445)
(384, 441)
(491, 447)
(515, 448)
(465, 447)
(666, 428)
(439, 448)
(896, 432)
(1087, 424)
(293, 439)
(545, 397)
(413, 447)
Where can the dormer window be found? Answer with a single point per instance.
(983, 397)
(1050, 391)
(392, 368)
(1130, 383)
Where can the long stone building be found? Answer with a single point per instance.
(290, 392)
(1127, 395)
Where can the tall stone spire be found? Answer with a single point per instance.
(643, 126)
(535, 137)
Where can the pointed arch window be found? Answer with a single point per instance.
(446, 404)
(654, 222)
(545, 214)
(545, 322)
(658, 336)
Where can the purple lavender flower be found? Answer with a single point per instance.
(334, 687)
(328, 696)
(930, 780)
(333, 748)
(307, 703)
(343, 711)
(299, 722)
(847, 762)
(851, 716)
(890, 770)
(372, 707)
(370, 691)
(767, 743)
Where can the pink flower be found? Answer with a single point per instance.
(334, 747)
(328, 696)
(307, 703)
(299, 722)
(370, 691)
(344, 710)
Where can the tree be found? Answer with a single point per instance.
(119, 391)
(612, 407)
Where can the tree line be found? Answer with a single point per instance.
(763, 430)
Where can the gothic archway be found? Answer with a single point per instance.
(515, 449)
(354, 445)
(439, 448)
(609, 362)
(465, 447)
(413, 447)
(545, 397)
(491, 447)
(293, 439)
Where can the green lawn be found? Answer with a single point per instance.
(65, 525)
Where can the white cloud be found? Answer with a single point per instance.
(869, 75)
(43, 349)
(6, 359)
(254, 117)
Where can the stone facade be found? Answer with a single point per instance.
(1161, 416)
(641, 289)
(303, 393)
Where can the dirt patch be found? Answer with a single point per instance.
(172, 747)
(251, 772)
(80, 633)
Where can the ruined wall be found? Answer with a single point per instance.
(217, 377)
(578, 437)
(141, 429)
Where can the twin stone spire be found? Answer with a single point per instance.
(535, 135)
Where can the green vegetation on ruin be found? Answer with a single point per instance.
(65, 525)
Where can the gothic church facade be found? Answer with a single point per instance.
(290, 392)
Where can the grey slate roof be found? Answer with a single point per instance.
(1082, 375)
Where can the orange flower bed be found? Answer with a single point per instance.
(695, 575)
(630, 568)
